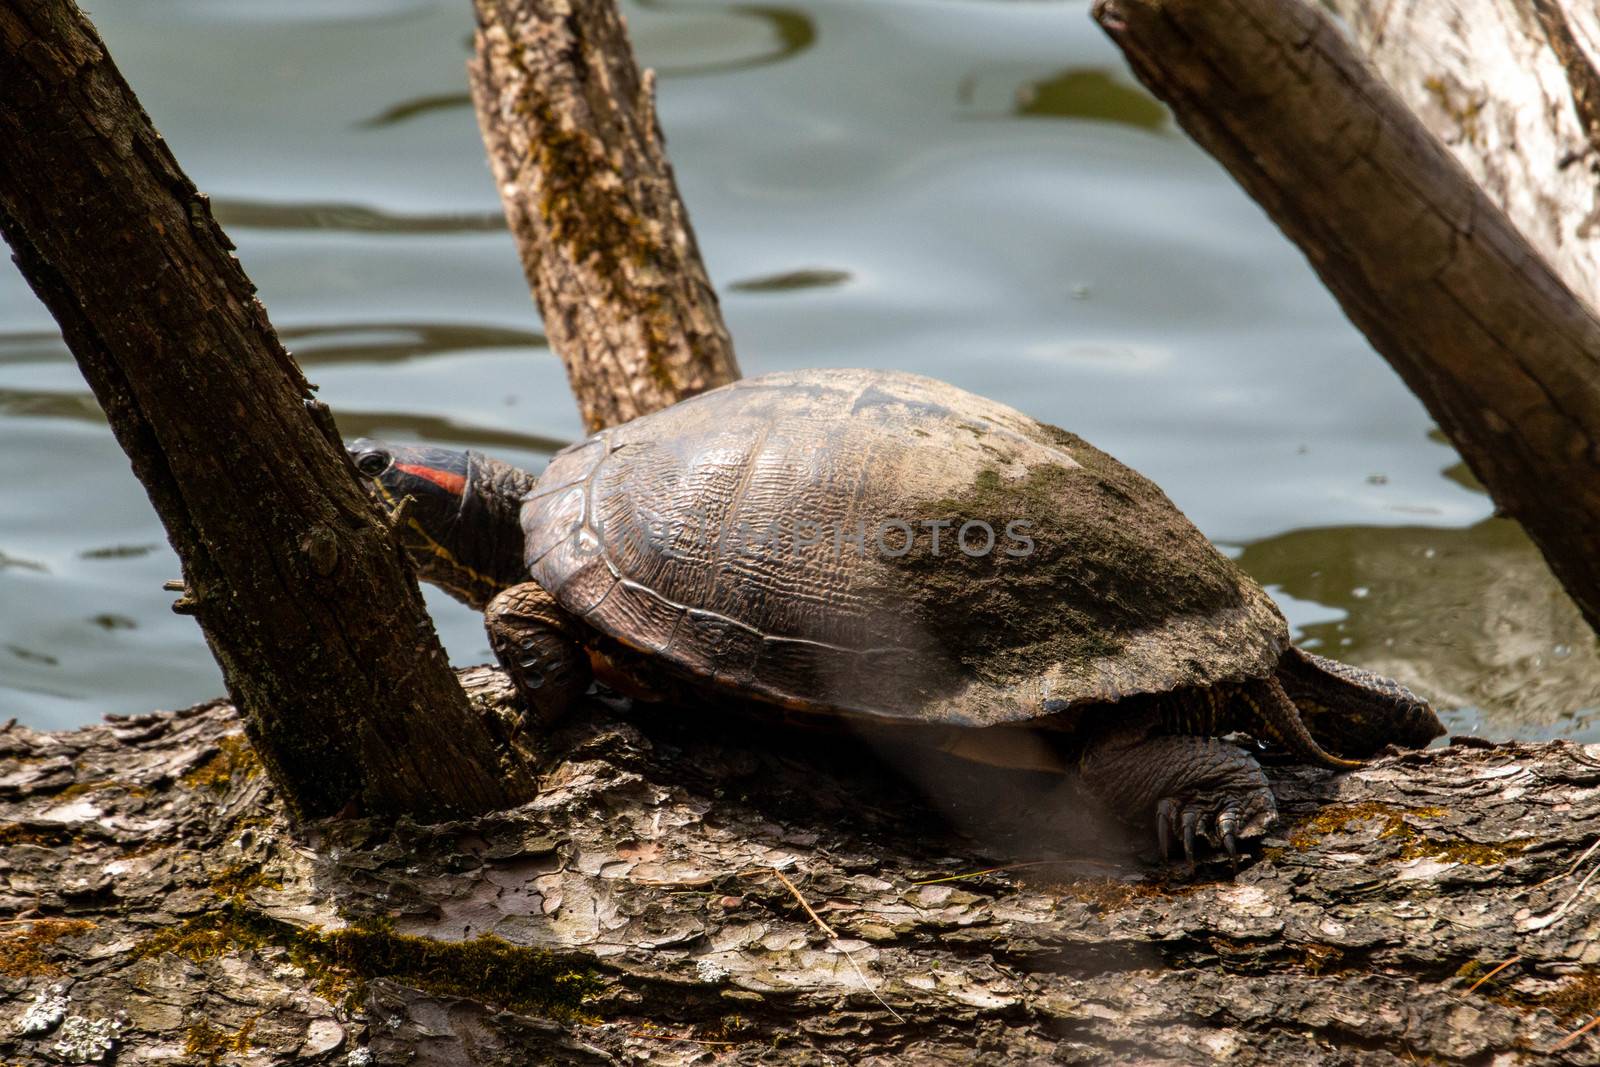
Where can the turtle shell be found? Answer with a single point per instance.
(882, 544)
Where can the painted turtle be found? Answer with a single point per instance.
(884, 546)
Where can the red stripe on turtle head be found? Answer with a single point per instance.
(449, 481)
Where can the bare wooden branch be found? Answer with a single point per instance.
(1512, 89)
(570, 126)
(304, 596)
(632, 914)
(1500, 350)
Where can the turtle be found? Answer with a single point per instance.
(883, 547)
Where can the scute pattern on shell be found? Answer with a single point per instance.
(681, 534)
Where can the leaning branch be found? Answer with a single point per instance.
(1503, 354)
(605, 241)
(1513, 91)
(303, 595)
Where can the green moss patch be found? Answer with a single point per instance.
(592, 214)
(340, 962)
(234, 759)
(209, 1044)
(486, 967)
(234, 884)
(1110, 557)
(1108, 894)
(83, 789)
(1572, 999)
(1335, 818)
(12, 833)
(1576, 999)
(1414, 844)
(24, 949)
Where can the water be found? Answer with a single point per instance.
(973, 190)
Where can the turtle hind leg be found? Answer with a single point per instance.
(1194, 786)
(1353, 710)
(536, 642)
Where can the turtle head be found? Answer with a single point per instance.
(462, 527)
(1354, 711)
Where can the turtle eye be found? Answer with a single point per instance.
(373, 463)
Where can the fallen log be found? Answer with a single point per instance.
(692, 891)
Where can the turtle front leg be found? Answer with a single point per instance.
(1195, 787)
(536, 643)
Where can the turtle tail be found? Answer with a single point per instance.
(1278, 718)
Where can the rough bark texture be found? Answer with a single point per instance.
(1503, 354)
(303, 595)
(635, 911)
(570, 126)
(1513, 89)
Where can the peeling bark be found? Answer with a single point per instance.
(640, 918)
(570, 127)
(304, 596)
(1513, 90)
(1482, 329)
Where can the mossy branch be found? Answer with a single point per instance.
(570, 126)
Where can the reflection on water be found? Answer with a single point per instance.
(1093, 94)
(872, 185)
(727, 38)
(30, 656)
(1471, 618)
(295, 12)
(730, 39)
(263, 215)
(410, 109)
(388, 342)
(31, 403)
(790, 280)
(118, 552)
(1089, 94)
(407, 425)
(14, 561)
(29, 346)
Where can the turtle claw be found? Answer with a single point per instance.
(1199, 787)
(1191, 820)
(533, 642)
(1164, 811)
(1220, 822)
(1228, 829)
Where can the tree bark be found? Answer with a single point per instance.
(1501, 351)
(304, 596)
(642, 910)
(605, 241)
(1513, 90)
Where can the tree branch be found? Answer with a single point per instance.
(304, 596)
(605, 241)
(1511, 90)
(1500, 350)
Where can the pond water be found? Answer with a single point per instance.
(972, 190)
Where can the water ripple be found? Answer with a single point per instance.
(389, 425)
(393, 342)
(347, 218)
(808, 278)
